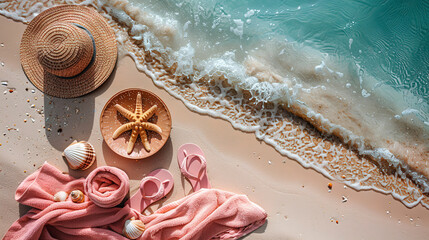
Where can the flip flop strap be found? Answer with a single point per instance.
(184, 166)
(158, 195)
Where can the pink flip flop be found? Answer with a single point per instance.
(153, 187)
(193, 165)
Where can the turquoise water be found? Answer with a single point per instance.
(387, 39)
(358, 70)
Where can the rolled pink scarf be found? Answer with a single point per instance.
(107, 186)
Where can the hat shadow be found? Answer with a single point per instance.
(70, 119)
(67, 120)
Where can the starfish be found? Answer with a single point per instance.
(138, 124)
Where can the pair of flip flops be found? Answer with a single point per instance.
(159, 182)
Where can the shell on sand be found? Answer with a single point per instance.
(80, 155)
(133, 229)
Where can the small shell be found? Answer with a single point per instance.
(80, 155)
(60, 196)
(133, 228)
(77, 196)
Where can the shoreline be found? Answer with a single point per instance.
(408, 161)
(296, 199)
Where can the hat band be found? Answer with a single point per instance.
(93, 52)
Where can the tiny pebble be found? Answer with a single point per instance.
(28, 100)
(330, 186)
(344, 199)
(25, 120)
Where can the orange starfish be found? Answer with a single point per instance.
(138, 124)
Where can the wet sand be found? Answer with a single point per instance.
(297, 200)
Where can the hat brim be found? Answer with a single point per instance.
(94, 75)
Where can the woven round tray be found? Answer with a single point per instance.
(111, 119)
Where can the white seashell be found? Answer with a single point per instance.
(60, 196)
(80, 155)
(133, 228)
(77, 196)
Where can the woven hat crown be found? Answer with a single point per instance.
(68, 51)
(64, 49)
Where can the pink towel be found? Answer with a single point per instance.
(107, 186)
(205, 214)
(63, 220)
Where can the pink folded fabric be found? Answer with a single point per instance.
(205, 214)
(63, 220)
(107, 186)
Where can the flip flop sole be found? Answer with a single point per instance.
(139, 203)
(194, 167)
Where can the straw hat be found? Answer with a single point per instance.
(68, 51)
